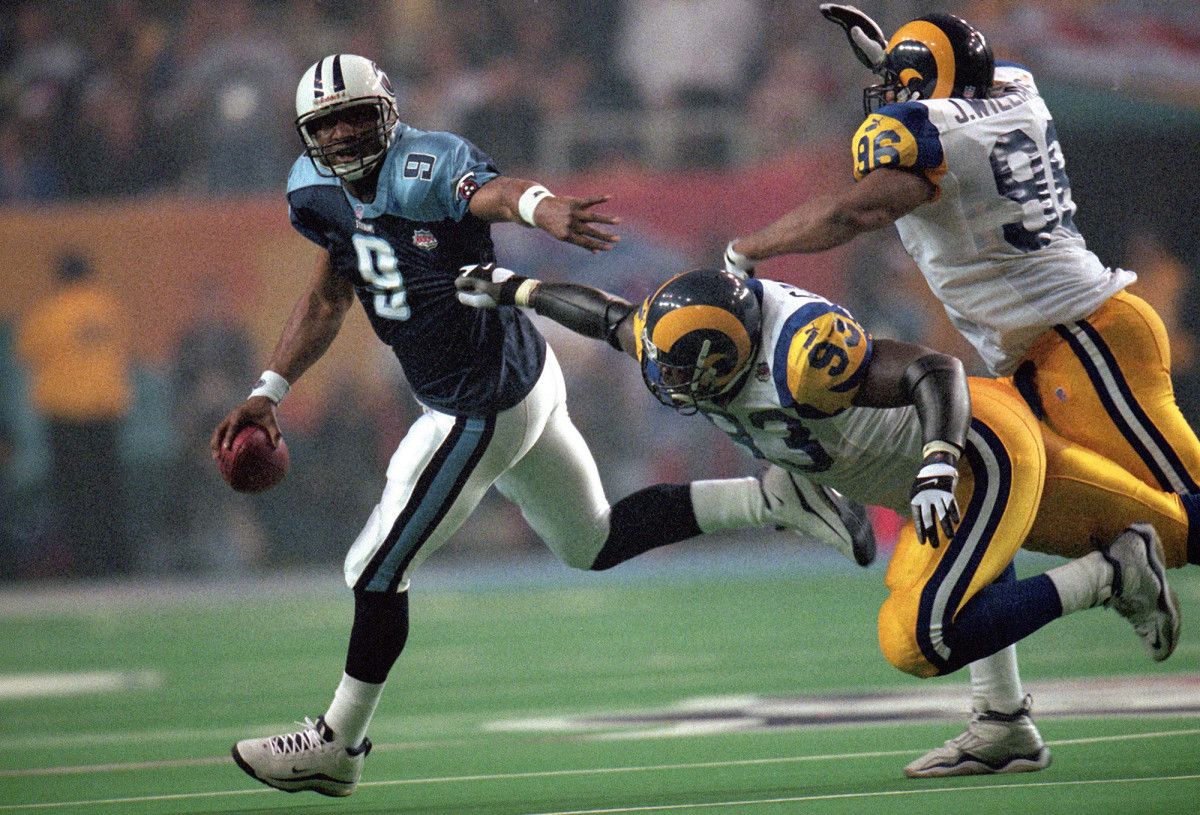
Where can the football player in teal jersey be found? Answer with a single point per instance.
(398, 211)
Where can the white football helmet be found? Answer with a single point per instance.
(333, 85)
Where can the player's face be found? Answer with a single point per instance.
(347, 135)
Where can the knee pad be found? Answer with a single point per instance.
(897, 640)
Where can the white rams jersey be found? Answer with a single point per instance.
(998, 244)
(795, 407)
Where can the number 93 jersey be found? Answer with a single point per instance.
(998, 244)
(795, 408)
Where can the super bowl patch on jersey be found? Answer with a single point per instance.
(424, 239)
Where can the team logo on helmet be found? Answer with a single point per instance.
(697, 337)
(937, 56)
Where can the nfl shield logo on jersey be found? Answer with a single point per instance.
(424, 239)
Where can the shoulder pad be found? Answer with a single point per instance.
(897, 136)
(820, 360)
(304, 174)
(433, 175)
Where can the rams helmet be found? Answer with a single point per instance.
(697, 337)
(937, 56)
(333, 86)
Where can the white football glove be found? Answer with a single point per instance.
(866, 37)
(479, 285)
(933, 501)
(736, 263)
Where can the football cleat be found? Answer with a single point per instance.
(1140, 592)
(992, 743)
(310, 759)
(815, 511)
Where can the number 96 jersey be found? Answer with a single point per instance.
(998, 244)
(795, 408)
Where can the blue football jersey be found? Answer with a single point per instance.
(403, 251)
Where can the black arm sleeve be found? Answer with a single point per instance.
(584, 310)
(937, 384)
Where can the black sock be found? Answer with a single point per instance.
(378, 635)
(1191, 504)
(645, 520)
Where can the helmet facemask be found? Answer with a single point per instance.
(698, 337)
(352, 90)
(705, 377)
(354, 156)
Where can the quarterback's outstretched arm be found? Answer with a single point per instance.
(564, 217)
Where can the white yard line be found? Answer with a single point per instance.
(601, 771)
(41, 685)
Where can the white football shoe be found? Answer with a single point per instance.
(311, 759)
(992, 743)
(815, 511)
(1140, 592)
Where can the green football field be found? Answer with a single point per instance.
(709, 680)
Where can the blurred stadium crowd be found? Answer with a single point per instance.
(127, 99)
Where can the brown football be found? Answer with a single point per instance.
(252, 464)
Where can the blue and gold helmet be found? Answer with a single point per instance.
(697, 337)
(937, 56)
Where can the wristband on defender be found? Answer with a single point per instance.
(271, 385)
(525, 291)
(947, 449)
(515, 291)
(529, 200)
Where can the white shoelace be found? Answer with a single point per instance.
(290, 743)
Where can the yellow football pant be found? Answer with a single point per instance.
(1002, 472)
(1022, 483)
(1105, 383)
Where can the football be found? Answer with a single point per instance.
(252, 464)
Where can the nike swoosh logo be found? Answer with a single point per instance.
(927, 484)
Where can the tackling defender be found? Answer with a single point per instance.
(960, 152)
(795, 380)
(398, 211)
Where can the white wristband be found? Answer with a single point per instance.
(529, 200)
(271, 385)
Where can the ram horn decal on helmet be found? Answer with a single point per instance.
(697, 337)
(938, 56)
